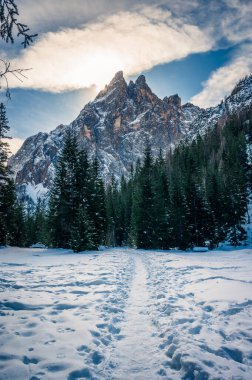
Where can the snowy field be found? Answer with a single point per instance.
(125, 314)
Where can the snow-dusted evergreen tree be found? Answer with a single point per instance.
(83, 232)
(125, 195)
(235, 171)
(198, 196)
(162, 205)
(113, 213)
(63, 204)
(97, 203)
(77, 202)
(4, 146)
(36, 224)
(11, 212)
(179, 215)
(4, 174)
(143, 220)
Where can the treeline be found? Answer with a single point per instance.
(197, 195)
(77, 213)
(75, 216)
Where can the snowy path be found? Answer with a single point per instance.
(136, 355)
(125, 315)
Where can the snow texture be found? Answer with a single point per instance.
(125, 314)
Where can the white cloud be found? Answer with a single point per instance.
(236, 22)
(223, 80)
(129, 41)
(233, 24)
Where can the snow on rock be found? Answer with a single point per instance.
(118, 124)
(125, 314)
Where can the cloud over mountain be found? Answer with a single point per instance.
(129, 41)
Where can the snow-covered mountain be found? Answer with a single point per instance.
(116, 127)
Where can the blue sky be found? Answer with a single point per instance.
(198, 49)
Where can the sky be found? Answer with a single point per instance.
(196, 48)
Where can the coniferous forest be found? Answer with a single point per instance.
(197, 195)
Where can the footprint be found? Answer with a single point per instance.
(31, 325)
(27, 360)
(50, 342)
(101, 325)
(53, 367)
(97, 358)
(195, 330)
(83, 348)
(234, 354)
(80, 374)
(113, 330)
(208, 308)
(96, 334)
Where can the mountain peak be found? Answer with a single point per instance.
(243, 83)
(116, 125)
(141, 81)
(174, 100)
(118, 75)
(117, 83)
(117, 78)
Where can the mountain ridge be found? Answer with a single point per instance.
(115, 127)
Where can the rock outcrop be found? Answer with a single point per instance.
(116, 127)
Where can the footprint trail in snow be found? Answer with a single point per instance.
(125, 315)
(136, 356)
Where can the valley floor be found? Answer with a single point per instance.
(125, 314)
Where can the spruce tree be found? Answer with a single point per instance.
(162, 205)
(82, 232)
(63, 203)
(39, 233)
(11, 212)
(236, 180)
(126, 208)
(143, 204)
(112, 212)
(97, 203)
(77, 207)
(4, 146)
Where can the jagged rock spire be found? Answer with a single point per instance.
(117, 84)
(115, 126)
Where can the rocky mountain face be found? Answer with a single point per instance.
(116, 127)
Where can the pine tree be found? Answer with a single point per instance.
(17, 227)
(63, 203)
(112, 212)
(77, 207)
(40, 223)
(11, 214)
(179, 215)
(82, 232)
(4, 146)
(215, 196)
(143, 205)
(97, 203)
(236, 180)
(162, 206)
(126, 208)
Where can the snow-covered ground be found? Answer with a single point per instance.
(125, 314)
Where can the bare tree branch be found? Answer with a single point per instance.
(5, 71)
(8, 25)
